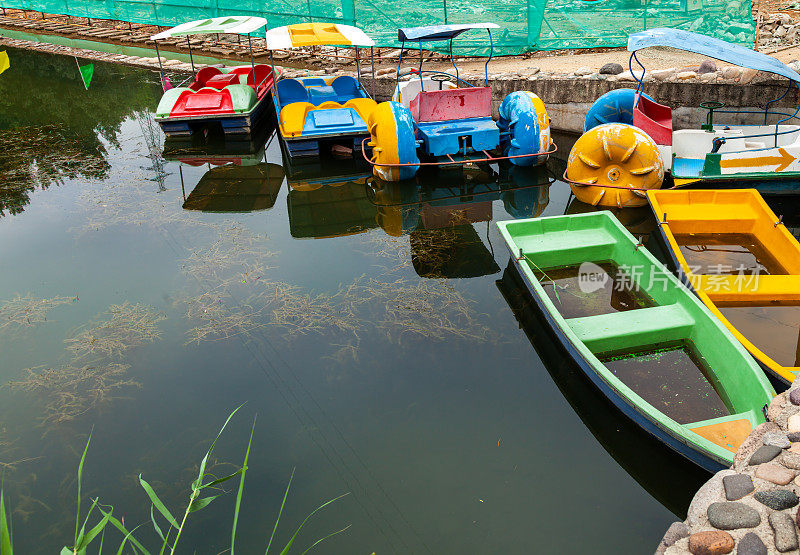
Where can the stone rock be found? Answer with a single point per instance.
(727, 515)
(710, 492)
(785, 531)
(663, 74)
(765, 453)
(779, 32)
(737, 486)
(751, 544)
(685, 75)
(676, 531)
(710, 543)
(584, 71)
(790, 459)
(795, 448)
(751, 444)
(626, 76)
(775, 473)
(611, 68)
(794, 436)
(777, 438)
(794, 394)
(383, 71)
(793, 424)
(707, 66)
(777, 499)
(708, 77)
(747, 76)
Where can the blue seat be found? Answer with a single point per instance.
(313, 82)
(290, 91)
(441, 138)
(318, 94)
(346, 87)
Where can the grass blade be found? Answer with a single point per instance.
(80, 478)
(155, 525)
(6, 547)
(128, 536)
(220, 480)
(197, 483)
(280, 512)
(121, 527)
(319, 541)
(157, 502)
(198, 504)
(312, 513)
(81, 543)
(241, 488)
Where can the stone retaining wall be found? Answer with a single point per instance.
(567, 96)
(751, 508)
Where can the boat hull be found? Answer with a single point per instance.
(232, 125)
(703, 460)
(665, 319)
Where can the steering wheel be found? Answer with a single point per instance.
(440, 78)
(711, 106)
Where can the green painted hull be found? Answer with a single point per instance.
(672, 315)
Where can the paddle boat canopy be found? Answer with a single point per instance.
(320, 111)
(629, 140)
(232, 99)
(439, 119)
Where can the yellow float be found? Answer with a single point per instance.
(612, 165)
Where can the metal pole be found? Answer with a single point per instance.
(421, 82)
(189, 44)
(160, 68)
(372, 62)
(444, 3)
(358, 69)
(275, 86)
(252, 64)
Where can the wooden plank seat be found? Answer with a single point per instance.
(632, 328)
(728, 432)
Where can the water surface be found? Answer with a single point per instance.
(362, 326)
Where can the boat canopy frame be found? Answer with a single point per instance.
(234, 24)
(430, 33)
(723, 51)
(281, 38)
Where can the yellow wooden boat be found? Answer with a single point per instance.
(754, 285)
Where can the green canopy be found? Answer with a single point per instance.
(238, 24)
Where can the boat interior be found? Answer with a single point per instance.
(736, 251)
(218, 79)
(322, 105)
(658, 344)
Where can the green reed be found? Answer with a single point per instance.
(204, 483)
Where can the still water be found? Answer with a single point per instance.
(377, 336)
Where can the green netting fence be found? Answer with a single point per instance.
(526, 25)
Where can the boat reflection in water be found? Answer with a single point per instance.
(329, 198)
(668, 477)
(638, 220)
(237, 178)
(437, 211)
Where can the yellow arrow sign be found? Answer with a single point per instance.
(782, 161)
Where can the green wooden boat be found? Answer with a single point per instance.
(640, 336)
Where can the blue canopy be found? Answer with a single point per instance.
(711, 47)
(440, 32)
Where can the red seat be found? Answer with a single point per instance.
(654, 119)
(452, 104)
(222, 80)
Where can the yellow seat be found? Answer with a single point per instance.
(293, 118)
(363, 106)
(728, 435)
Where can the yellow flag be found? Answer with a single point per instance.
(4, 64)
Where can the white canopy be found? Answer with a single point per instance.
(239, 24)
(316, 34)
